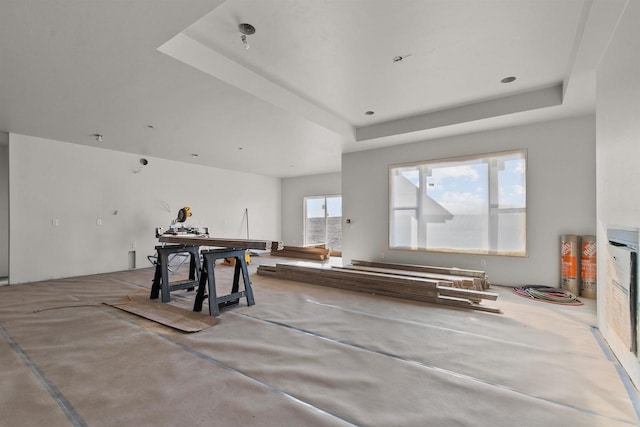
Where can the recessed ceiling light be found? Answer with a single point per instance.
(239, 148)
(508, 79)
(369, 113)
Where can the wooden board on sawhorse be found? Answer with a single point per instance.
(208, 281)
(161, 276)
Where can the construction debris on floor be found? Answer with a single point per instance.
(447, 286)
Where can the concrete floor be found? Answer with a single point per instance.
(304, 355)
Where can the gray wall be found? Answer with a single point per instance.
(294, 190)
(60, 191)
(4, 204)
(560, 197)
(618, 158)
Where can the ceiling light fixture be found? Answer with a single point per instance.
(399, 58)
(246, 30)
(508, 79)
(369, 113)
(194, 155)
(245, 43)
(98, 137)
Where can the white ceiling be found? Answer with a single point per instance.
(295, 101)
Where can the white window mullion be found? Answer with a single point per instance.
(494, 204)
(420, 215)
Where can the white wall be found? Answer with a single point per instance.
(77, 185)
(560, 197)
(294, 190)
(4, 204)
(618, 155)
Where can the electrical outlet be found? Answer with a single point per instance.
(99, 221)
(55, 222)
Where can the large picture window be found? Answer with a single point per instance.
(473, 204)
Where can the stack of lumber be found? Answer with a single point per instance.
(315, 253)
(382, 283)
(458, 277)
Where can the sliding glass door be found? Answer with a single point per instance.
(323, 221)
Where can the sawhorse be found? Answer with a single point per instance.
(161, 277)
(207, 279)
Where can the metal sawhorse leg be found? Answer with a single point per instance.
(207, 279)
(161, 276)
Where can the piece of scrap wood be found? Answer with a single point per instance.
(166, 314)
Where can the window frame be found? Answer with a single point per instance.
(493, 208)
(326, 217)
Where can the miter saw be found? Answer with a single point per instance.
(178, 229)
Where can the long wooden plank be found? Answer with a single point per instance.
(428, 295)
(458, 281)
(364, 279)
(481, 275)
(457, 302)
(395, 278)
(449, 277)
(302, 255)
(358, 281)
(467, 293)
(267, 268)
(393, 285)
(215, 242)
(364, 276)
(425, 268)
(316, 248)
(317, 253)
(306, 249)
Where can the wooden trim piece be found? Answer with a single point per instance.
(427, 269)
(214, 242)
(317, 253)
(456, 281)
